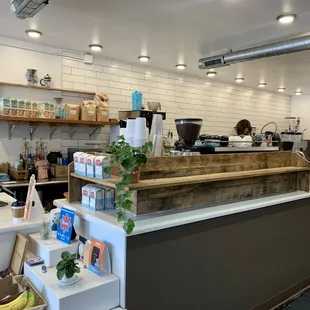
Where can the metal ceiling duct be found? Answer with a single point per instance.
(269, 50)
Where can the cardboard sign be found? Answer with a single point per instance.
(65, 225)
(99, 259)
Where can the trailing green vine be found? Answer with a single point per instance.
(129, 159)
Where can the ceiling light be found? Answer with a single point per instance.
(211, 73)
(298, 92)
(34, 33)
(144, 58)
(239, 80)
(281, 89)
(262, 85)
(286, 18)
(96, 47)
(180, 66)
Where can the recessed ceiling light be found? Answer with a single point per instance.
(286, 18)
(96, 47)
(239, 80)
(211, 73)
(281, 89)
(180, 66)
(144, 58)
(34, 33)
(298, 92)
(262, 85)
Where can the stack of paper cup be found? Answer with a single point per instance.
(140, 137)
(157, 135)
(130, 131)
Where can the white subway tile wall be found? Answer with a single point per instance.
(220, 105)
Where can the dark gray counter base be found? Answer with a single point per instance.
(229, 263)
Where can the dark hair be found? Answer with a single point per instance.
(243, 127)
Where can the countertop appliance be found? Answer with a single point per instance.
(148, 115)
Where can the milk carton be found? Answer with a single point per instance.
(86, 195)
(90, 166)
(109, 199)
(96, 201)
(101, 162)
(76, 162)
(83, 165)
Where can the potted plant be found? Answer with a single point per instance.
(129, 159)
(67, 268)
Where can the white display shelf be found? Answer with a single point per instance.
(50, 250)
(91, 292)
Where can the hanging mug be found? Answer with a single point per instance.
(46, 81)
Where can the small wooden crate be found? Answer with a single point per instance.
(19, 174)
(41, 304)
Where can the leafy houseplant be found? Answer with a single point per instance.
(67, 266)
(129, 159)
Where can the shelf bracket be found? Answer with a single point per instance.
(92, 132)
(32, 130)
(73, 130)
(52, 131)
(11, 129)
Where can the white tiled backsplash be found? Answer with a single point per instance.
(220, 105)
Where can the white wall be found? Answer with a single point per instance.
(220, 105)
(301, 107)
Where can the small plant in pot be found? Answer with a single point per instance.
(129, 159)
(67, 267)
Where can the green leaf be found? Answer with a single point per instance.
(60, 265)
(69, 272)
(65, 255)
(60, 273)
(127, 179)
(120, 186)
(120, 216)
(129, 226)
(107, 170)
(127, 204)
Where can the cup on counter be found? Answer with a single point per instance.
(18, 210)
(130, 131)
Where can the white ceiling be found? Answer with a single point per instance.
(173, 31)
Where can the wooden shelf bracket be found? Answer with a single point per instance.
(52, 131)
(11, 129)
(32, 130)
(92, 132)
(73, 130)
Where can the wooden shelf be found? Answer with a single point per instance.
(48, 89)
(196, 179)
(59, 122)
(106, 182)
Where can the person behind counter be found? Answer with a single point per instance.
(243, 134)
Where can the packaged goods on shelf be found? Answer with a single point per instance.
(14, 107)
(97, 197)
(83, 164)
(77, 162)
(88, 111)
(101, 162)
(102, 115)
(28, 109)
(90, 162)
(44, 109)
(5, 106)
(72, 111)
(21, 108)
(52, 110)
(34, 110)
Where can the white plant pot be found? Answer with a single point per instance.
(65, 280)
